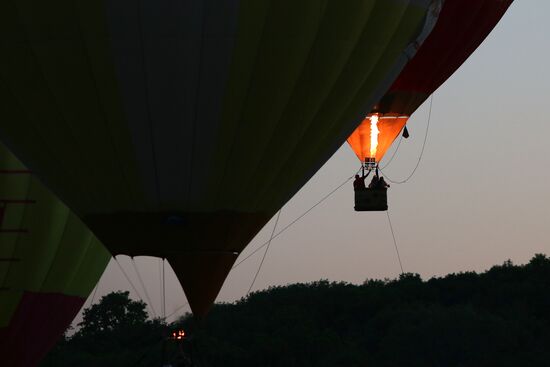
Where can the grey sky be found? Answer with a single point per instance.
(480, 196)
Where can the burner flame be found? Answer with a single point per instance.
(373, 135)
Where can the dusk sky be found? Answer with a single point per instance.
(480, 196)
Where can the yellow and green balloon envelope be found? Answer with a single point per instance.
(49, 263)
(178, 128)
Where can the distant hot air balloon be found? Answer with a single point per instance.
(178, 128)
(49, 263)
(461, 28)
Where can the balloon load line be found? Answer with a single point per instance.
(398, 182)
(265, 253)
(130, 281)
(143, 287)
(293, 222)
(395, 243)
(163, 290)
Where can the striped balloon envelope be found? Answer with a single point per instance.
(49, 263)
(460, 29)
(178, 128)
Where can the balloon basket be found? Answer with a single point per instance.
(371, 200)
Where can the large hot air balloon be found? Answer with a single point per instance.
(178, 128)
(460, 29)
(49, 262)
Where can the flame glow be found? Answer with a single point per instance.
(373, 135)
(178, 335)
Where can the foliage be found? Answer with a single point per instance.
(496, 318)
(114, 332)
(115, 311)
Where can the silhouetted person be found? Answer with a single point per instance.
(374, 182)
(382, 184)
(359, 182)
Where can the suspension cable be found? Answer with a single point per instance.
(160, 281)
(130, 281)
(395, 243)
(421, 152)
(144, 288)
(293, 222)
(163, 291)
(394, 153)
(265, 253)
(94, 293)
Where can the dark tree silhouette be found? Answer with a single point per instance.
(497, 318)
(114, 332)
(115, 311)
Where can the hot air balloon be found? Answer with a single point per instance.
(49, 263)
(177, 129)
(461, 27)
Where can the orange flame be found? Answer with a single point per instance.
(178, 335)
(373, 135)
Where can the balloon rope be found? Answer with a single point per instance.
(395, 243)
(421, 152)
(160, 281)
(294, 221)
(144, 288)
(128, 279)
(394, 153)
(163, 291)
(265, 253)
(93, 294)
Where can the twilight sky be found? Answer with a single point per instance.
(480, 196)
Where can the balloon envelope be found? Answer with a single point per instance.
(49, 263)
(178, 128)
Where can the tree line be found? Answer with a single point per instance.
(500, 317)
